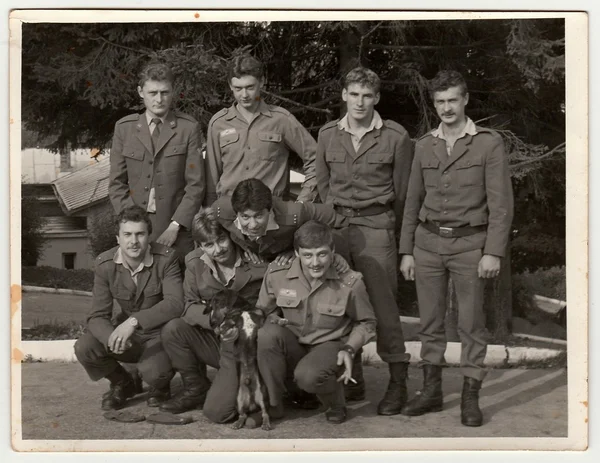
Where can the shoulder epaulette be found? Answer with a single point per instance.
(351, 277)
(106, 256)
(279, 109)
(161, 249)
(274, 267)
(423, 137)
(218, 115)
(129, 118)
(393, 125)
(329, 125)
(185, 116)
(487, 130)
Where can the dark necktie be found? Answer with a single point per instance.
(156, 132)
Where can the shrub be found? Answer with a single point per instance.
(32, 225)
(101, 231)
(551, 282)
(52, 277)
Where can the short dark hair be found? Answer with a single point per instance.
(313, 234)
(445, 79)
(364, 77)
(245, 65)
(156, 71)
(132, 214)
(206, 227)
(251, 194)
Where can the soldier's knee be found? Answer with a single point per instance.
(85, 347)
(218, 412)
(173, 329)
(269, 335)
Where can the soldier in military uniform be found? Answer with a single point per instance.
(145, 278)
(252, 139)
(190, 342)
(156, 162)
(457, 221)
(326, 318)
(363, 166)
(264, 225)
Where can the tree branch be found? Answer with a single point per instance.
(307, 89)
(538, 158)
(295, 103)
(116, 45)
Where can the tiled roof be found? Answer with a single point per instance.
(84, 187)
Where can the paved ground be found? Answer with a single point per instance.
(60, 402)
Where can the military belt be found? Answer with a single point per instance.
(364, 212)
(453, 232)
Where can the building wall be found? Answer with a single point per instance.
(39, 165)
(58, 244)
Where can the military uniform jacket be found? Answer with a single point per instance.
(199, 286)
(288, 215)
(157, 298)
(175, 171)
(375, 175)
(470, 188)
(336, 309)
(237, 150)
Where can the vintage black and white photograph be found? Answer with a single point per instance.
(296, 230)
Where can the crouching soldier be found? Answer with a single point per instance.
(145, 279)
(327, 317)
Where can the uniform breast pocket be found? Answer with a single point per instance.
(124, 297)
(429, 168)
(134, 153)
(330, 315)
(469, 172)
(228, 139)
(174, 158)
(290, 305)
(269, 145)
(335, 156)
(380, 158)
(152, 296)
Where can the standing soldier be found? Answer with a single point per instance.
(363, 166)
(252, 139)
(156, 163)
(457, 220)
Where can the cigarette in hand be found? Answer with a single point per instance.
(353, 380)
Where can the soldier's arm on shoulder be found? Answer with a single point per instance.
(267, 298)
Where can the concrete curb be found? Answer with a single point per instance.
(497, 355)
(42, 289)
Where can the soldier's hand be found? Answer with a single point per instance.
(169, 236)
(341, 265)
(284, 258)
(344, 358)
(489, 266)
(252, 257)
(407, 267)
(118, 341)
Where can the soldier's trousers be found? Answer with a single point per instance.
(280, 355)
(373, 252)
(152, 361)
(431, 274)
(191, 347)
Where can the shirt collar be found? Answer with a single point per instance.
(211, 263)
(147, 262)
(469, 129)
(149, 118)
(376, 123)
(271, 224)
(263, 108)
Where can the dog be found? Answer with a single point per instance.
(234, 319)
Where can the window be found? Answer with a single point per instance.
(69, 260)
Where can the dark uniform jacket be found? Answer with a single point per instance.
(237, 150)
(375, 175)
(472, 187)
(338, 308)
(200, 285)
(157, 298)
(176, 171)
(288, 215)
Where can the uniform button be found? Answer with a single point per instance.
(445, 172)
(148, 175)
(446, 200)
(151, 162)
(146, 188)
(308, 315)
(174, 150)
(143, 202)
(329, 310)
(446, 185)
(445, 212)
(247, 168)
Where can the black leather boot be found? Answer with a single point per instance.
(195, 388)
(335, 405)
(396, 394)
(356, 392)
(470, 413)
(158, 395)
(122, 387)
(430, 398)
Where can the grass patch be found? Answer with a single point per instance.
(58, 278)
(53, 332)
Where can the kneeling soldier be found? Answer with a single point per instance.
(145, 279)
